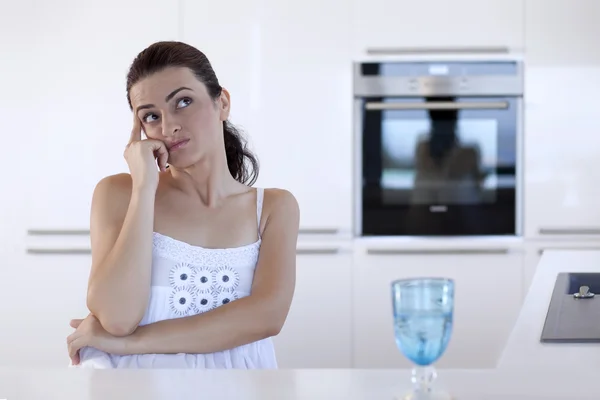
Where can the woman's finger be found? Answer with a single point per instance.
(161, 153)
(76, 359)
(75, 323)
(74, 347)
(72, 337)
(136, 132)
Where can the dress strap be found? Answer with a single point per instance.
(260, 193)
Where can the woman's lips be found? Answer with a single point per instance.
(178, 145)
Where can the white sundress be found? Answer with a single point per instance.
(188, 280)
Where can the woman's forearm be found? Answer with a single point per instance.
(119, 289)
(240, 322)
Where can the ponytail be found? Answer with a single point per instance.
(242, 164)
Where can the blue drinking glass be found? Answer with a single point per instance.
(423, 312)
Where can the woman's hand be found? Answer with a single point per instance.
(89, 332)
(143, 156)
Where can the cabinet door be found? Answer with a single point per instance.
(318, 330)
(487, 301)
(438, 24)
(304, 141)
(561, 142)
(17, 36)
(561, 32)
(40, 297)
(82, 121)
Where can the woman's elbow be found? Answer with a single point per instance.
(118, 328)
(113, 324)
(273, 330)
(275, 323)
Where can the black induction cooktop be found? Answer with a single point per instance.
(574, 310)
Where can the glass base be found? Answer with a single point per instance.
(422, 379)
(432, 395)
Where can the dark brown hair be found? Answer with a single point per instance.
(243, 165)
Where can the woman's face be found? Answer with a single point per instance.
(175, 108)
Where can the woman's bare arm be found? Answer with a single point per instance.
(257, 316)
(121, 228)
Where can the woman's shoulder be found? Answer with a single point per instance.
(113, 192)
(279, 198)
(280, 202)
(117, 184)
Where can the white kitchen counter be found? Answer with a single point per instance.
(315, 384)
(523, 348)
(528, 370)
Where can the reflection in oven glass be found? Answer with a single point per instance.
(436, 162)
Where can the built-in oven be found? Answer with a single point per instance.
(438, 148)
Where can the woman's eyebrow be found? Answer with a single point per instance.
(169, 97)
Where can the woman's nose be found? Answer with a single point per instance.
(170, 127)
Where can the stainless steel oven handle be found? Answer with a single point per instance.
(440, 252)
(436, 105)
(569, 231)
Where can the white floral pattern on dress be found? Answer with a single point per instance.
(195, 289)
(182, 301)
(205, 301)
(225, 297)
(226, 279)
(202, 279)
(181, 275)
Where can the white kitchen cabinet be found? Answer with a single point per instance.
(82, 122)
(562, 32)
(39, 300)
(304, 137)
(560, 162)
(17, 37)
(437, 24)
(488, 279)
(318, 330)
(535, 250)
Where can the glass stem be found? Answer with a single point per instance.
(422, 379)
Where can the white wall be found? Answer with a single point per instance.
(288, 67)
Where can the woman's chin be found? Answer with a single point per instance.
(181, 163)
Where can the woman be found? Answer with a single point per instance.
(191, 267)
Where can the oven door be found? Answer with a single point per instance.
(439, 166)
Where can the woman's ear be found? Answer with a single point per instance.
(224, 105)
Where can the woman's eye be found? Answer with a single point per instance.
(184, 102)
(150, 118)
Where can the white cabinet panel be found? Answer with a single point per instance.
(82, 121)
(304, 140)
(318, 330)
(487, 300)
(40, 297)
(561, 142)
(17, 37)
(562, 32)
(438, 24)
